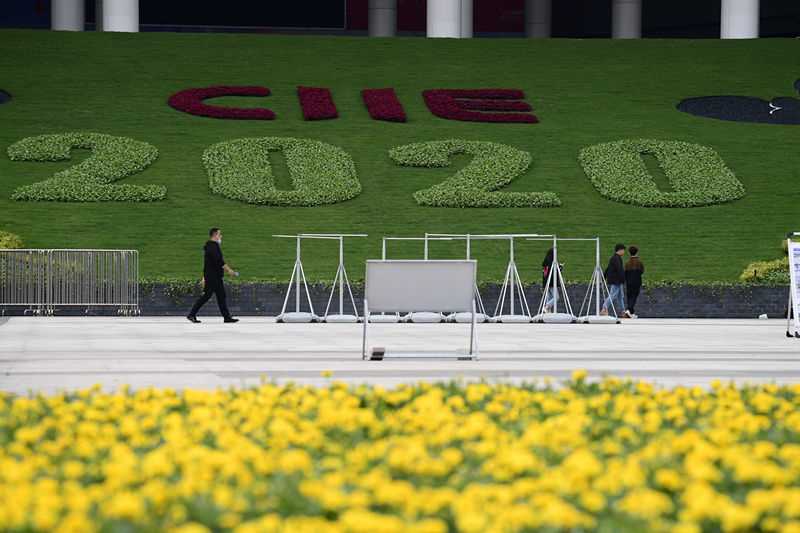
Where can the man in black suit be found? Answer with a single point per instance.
(212, 278)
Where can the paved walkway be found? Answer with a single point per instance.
(49, 354)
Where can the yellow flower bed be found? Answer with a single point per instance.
(468, 457)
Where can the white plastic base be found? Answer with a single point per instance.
(384, 319)
(598, 319)
(297, 318)
(512, 319)
(466, 318)
(555, 318)
(341, 319)
(425, 317)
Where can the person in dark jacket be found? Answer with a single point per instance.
(615, 277)
(634, 268)
(212, 278)
(551, 290)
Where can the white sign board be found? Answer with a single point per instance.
(408, 285)
(794, 274)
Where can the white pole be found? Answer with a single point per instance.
(555, 272)
(121, 15)
(341, 275)
(739, 19)
(67, 15)
(466, 19)
(513, 280)
(444, 18)
(298, 263)
(598, 274)
(626, 19)
(538, 19)
(382, 18)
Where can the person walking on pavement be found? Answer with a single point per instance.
(634, 268)
(212, 278)
(615, 277)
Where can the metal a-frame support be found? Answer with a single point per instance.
(597, 288)
(555, 278)
(297, 274)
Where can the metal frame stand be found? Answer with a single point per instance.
(792, 314)
(460, 317)
(597, 287)
(434, 281)
(297, 273)
(554, 316)
(341, 277)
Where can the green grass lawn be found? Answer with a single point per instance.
(584, 92)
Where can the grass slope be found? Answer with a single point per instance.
(583, 91)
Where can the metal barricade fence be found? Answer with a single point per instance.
(72, 278)
(23, 279)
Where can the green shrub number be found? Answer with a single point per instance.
(493, 166)
(321, 173)
(112, 159)
(696, 173)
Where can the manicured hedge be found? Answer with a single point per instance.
(697, 174)
(112, 159)
(493, 166)
(321, 173)
(9, 240)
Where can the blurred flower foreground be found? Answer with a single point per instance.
(606, 456)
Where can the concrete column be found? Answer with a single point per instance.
(98, 15)
(67, 15)
(739, 19)
(538, 19)
(444, 18)
(466, 19)
(626, 19)
(382, 17)
(121, 15)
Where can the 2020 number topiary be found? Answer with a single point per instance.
(493, 166)
(112, 159)
(697, 174)
(321, 173)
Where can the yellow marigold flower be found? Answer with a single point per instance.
(669, 479)
(326, 373)
(126, 504)
(579, 375)
(738, 518)
(645, 503)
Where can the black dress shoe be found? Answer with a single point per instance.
(230, 319)
(192, 318)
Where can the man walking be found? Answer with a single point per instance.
(212, 277)
(615, 277)
(634, 268)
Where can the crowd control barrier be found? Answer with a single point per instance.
(23, 279)
(45, 281)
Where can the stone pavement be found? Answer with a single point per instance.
(50, 354)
